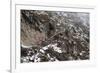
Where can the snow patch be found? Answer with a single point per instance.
(54, 46)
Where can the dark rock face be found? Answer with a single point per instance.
(54, 36)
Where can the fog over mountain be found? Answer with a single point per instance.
(48, 36)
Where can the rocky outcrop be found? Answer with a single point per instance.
(54, 36)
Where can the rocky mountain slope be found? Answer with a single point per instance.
(54, 36)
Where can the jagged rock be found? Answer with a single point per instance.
(54, 36)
